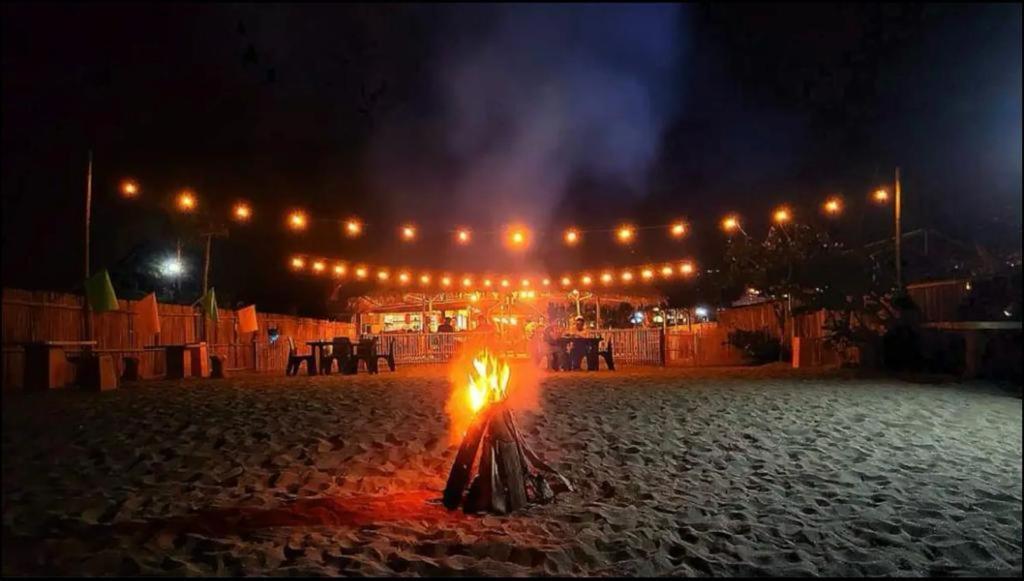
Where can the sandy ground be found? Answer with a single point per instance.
(728, 472)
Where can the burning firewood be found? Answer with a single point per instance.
(508, 472)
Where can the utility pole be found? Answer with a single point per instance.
(87, 311)
(899, 234)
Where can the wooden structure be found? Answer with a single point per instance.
(508, 474)
(33, 316)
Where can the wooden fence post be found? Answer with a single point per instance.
(661, 346)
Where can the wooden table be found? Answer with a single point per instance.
(974, 333)
(318, 354)
(576, 356)
(185, 359)
(46, 363)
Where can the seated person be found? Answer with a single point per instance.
(446, 327)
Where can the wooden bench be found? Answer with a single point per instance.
(47, 365)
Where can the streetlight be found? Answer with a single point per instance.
(463, 235)
(881, 196)
(172, 267)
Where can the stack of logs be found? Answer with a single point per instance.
(509, 474)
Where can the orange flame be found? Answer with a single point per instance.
(479, 379)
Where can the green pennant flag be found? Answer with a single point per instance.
(100, 292)
(210, 305)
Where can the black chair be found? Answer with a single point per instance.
(295, 360)
(342, 352)
(389, 357)
(609, 357)
(366, 351)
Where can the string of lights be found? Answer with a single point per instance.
(514, 236)
(445, 279)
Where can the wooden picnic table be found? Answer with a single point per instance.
(974, 333)
(47, 365)
(318, 353)
(185, 359)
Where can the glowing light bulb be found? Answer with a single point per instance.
(187, 201)
(678, 230)
(297, 220)
(782, 215)
(242, 212)
(625, 234)
(833, 206)
(129, 189)
(353, 227)
(572, 236)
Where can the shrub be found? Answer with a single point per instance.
(759, 346)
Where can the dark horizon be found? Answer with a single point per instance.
(433, 114)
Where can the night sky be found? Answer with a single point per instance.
(449, 115)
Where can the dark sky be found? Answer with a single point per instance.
(468, 114)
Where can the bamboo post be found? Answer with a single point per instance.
(86, 308)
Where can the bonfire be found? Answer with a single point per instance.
(508, 474)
